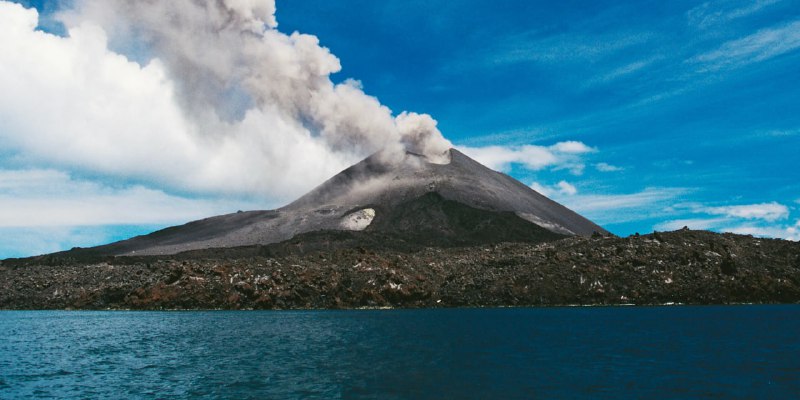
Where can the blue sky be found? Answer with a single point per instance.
(679, 113)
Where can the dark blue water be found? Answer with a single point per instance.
(622, 352)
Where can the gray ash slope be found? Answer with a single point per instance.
(459, 199)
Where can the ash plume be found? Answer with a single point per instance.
(227, 59)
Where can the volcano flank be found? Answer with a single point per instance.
(411, 200)
(405, 232)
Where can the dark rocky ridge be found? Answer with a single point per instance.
(371, 185)
(693, 267)
(456, 234)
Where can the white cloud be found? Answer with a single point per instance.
(645, 198)
(567, 188)
(29, 241)
(780, 231)
(563, 48)
(621, 208)
(760, 46)
(765, 211)
(558, 156)
(572, 147)
(605, 167)
(784, 132)
(709, 14)
(49, 198)
(622, 71)
(542, 189)
(562, 188)
(751, 219)
(259, 117)
(501, 157)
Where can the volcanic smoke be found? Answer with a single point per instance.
(228, 58)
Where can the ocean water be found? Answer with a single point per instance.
(580, 352)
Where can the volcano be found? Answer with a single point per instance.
(411, 199)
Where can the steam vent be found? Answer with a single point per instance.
(459, 202)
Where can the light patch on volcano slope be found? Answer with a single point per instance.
(550, 226)
(359, 220)
(439, 158)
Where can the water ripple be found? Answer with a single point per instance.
(652, 352)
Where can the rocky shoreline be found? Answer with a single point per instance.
(688, 267)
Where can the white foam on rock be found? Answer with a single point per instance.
(359, 220)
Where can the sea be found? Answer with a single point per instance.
(675, 352)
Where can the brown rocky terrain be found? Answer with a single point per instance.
(318, 271)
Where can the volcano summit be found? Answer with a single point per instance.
(411, 198)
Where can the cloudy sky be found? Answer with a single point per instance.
(120, 117)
